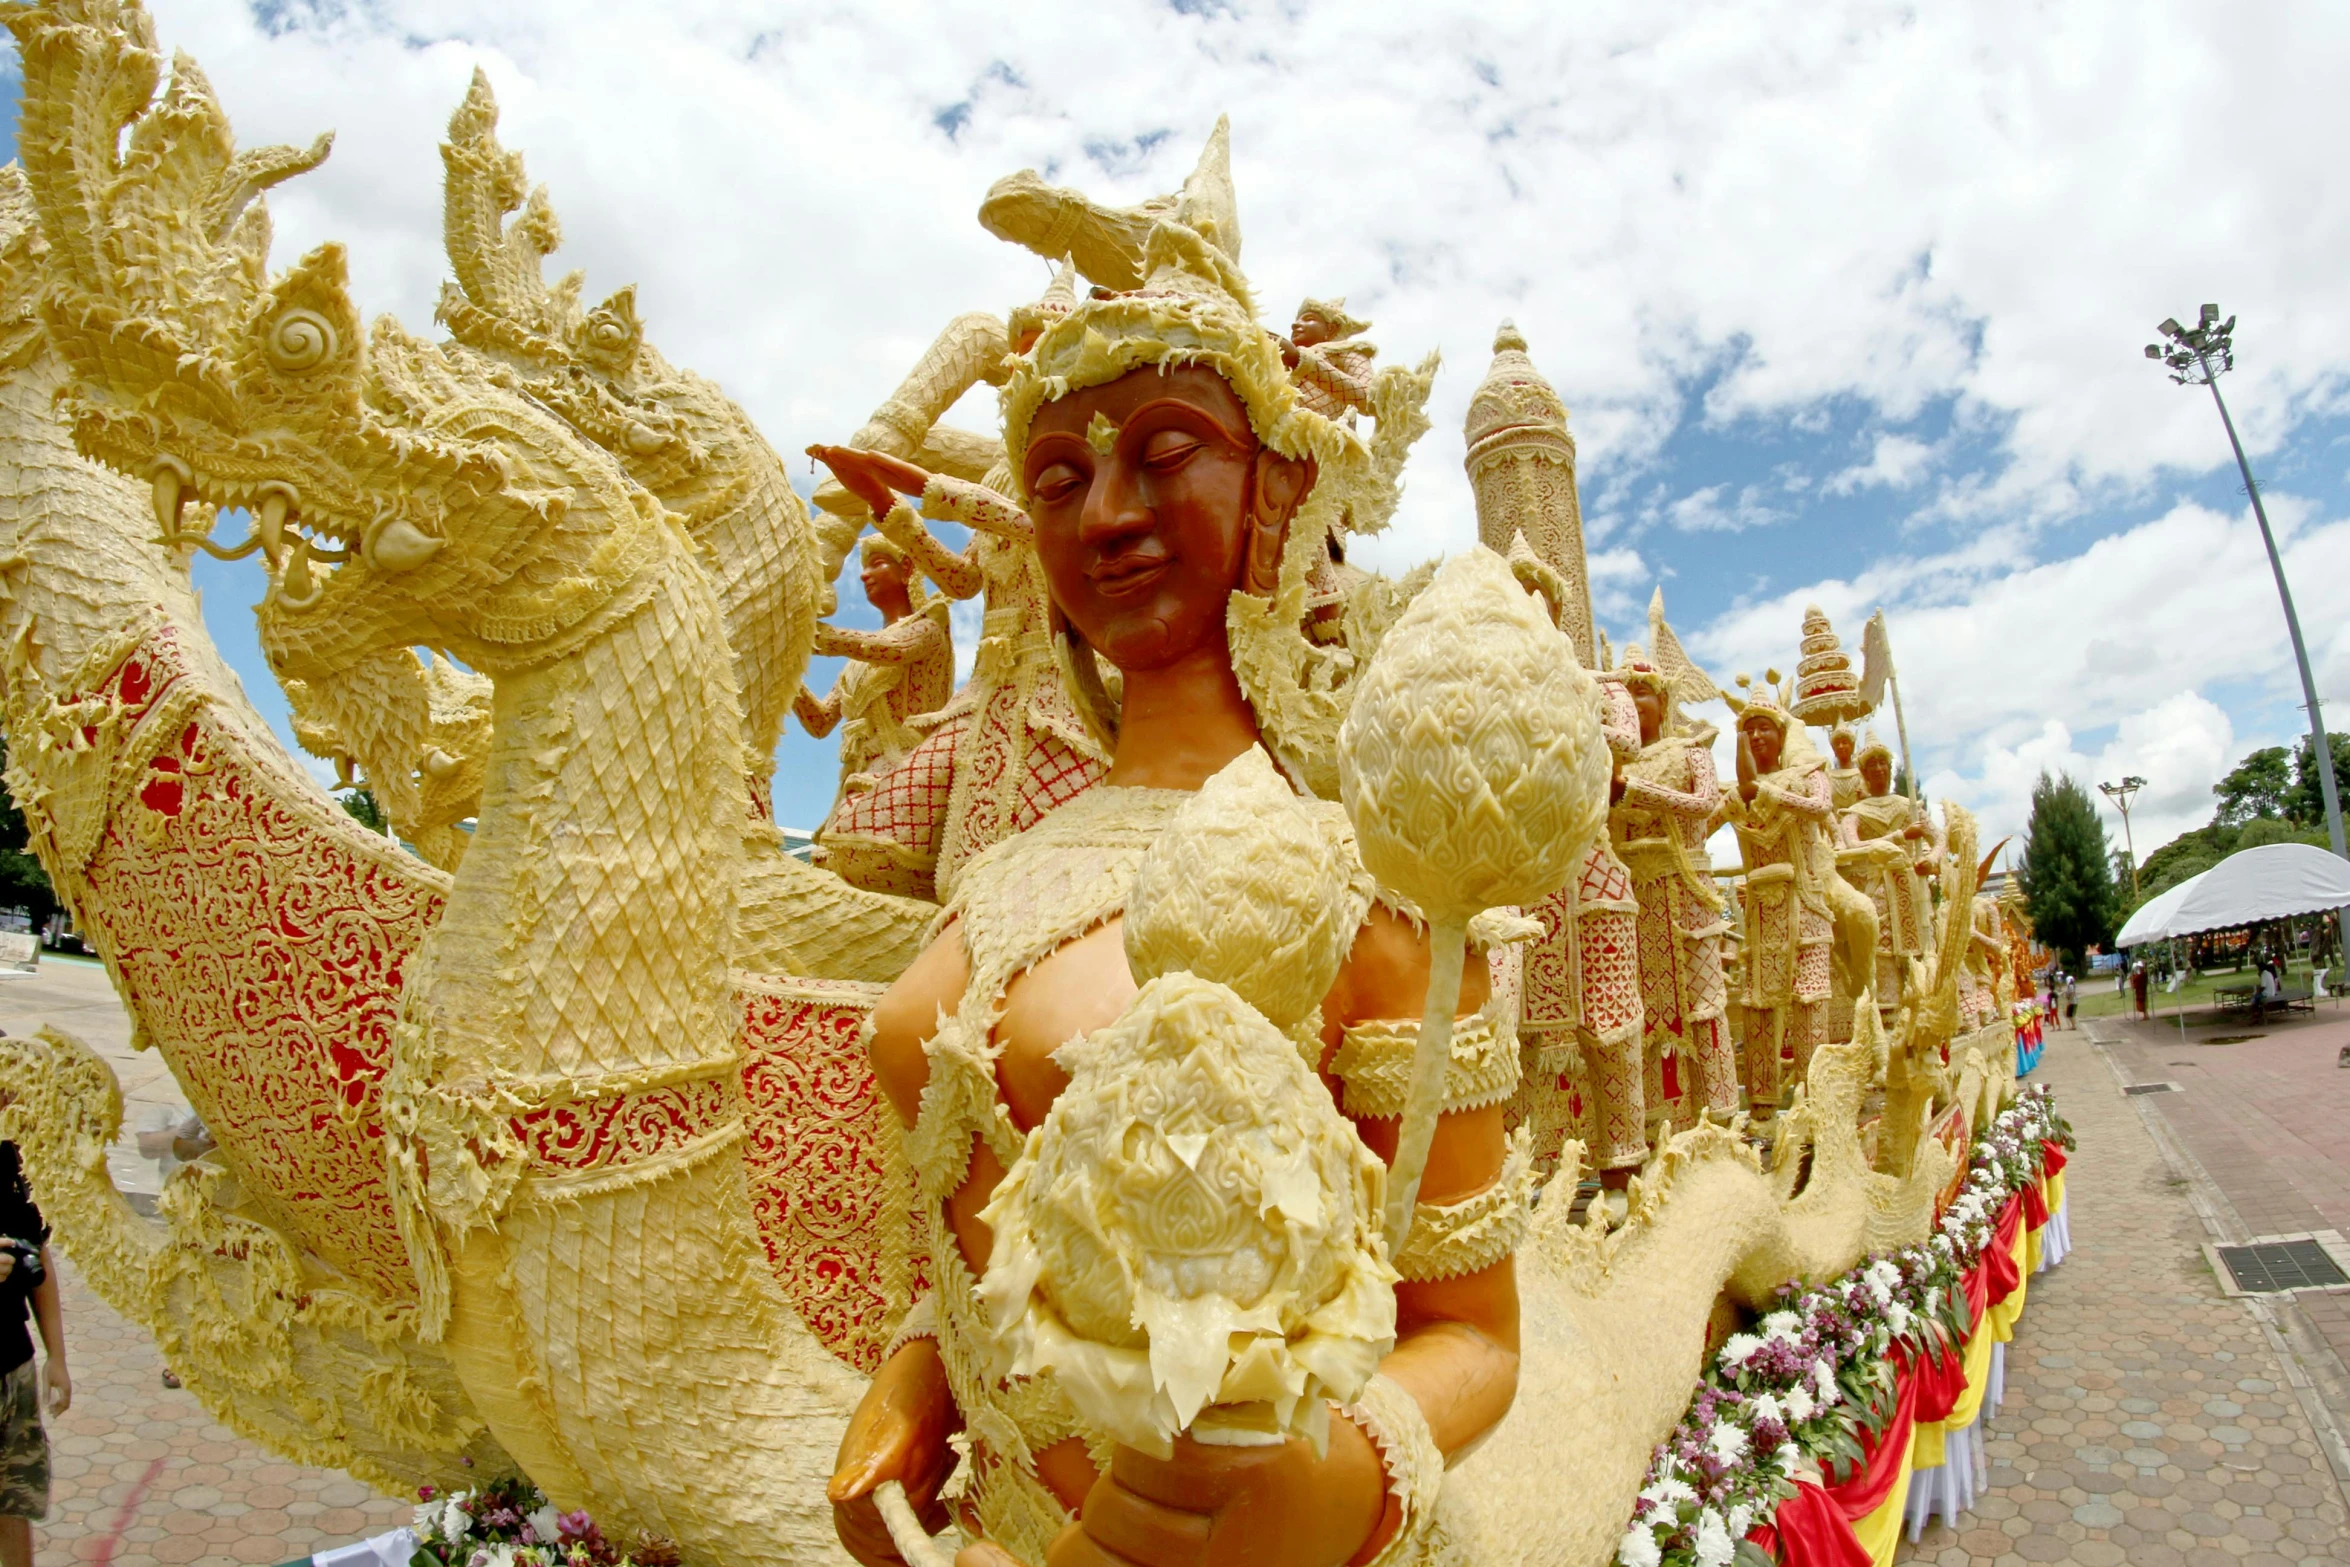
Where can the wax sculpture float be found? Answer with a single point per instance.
(575, 1129)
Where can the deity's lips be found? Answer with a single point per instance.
(1127, 575)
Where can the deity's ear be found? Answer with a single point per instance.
(1277, 488)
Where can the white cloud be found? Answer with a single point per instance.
(1897, 463)
(1811, 204)
(2004, 659)
(1714, 509)
(1815, 201)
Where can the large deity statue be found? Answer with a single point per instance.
(1782, 811)
(1887, 851)
(1659, 824)
(1180, 492)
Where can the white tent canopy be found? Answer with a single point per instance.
(2267, 883)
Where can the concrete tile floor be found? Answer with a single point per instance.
(2149, 1418)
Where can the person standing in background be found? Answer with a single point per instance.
(2072, 1002)
(27, 1279)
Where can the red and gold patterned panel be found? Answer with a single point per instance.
(584, 1135)
(262, 953)
(819, 1159)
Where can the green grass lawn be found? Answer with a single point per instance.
(2198, 994)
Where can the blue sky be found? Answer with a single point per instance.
(1847, 300)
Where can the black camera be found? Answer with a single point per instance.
(28, 1261)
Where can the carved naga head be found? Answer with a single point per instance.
(397, 497)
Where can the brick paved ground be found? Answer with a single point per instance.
(2149, 1418)
(2268, 1119)
(2149, 1421)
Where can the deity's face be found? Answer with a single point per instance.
(1876, 774)
(1312, 330)
(1152, 501)
(886, 581)
(1764, 741)
(1650, 704)
(1841, 744)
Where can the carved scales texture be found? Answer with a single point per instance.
(570, 552)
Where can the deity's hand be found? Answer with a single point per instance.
(1232, 1506)
(1289, 353)
(898, 1433)
(1615, 783)
(875, 478)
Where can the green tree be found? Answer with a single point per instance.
(2067, 877)
(2260, 785)
(364, 808)
(23, 884)
(2305, 801)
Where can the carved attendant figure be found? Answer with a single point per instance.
(895, 675)
(1660, 826)
(1782, 812)
(1887, 852)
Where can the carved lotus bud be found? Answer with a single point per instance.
(1191, 1239)
(1473, 764)
(1247, 886)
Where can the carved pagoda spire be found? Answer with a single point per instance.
(1521, 465)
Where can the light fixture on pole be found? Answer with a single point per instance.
(2198, 356)
(2121, 794)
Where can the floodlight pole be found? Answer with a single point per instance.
(2191, 363)
(2121, 794)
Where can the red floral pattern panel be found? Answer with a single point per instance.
(261, 952)
(834, 1201)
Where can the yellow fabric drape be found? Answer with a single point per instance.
(1879, 1531)
(2000, 1319)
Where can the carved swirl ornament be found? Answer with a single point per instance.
(300, 340)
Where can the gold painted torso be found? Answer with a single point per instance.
(1035, 914)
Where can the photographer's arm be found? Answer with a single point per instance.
(51, 1318)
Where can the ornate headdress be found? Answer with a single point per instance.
(1870, 746)
(1058, 299)
(1194, 308)
(1334, 312)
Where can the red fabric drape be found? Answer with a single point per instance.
(2002, 1272)
(1810, 1531)
(1881, 1455)
(1977, 1280)
(2053, 1157)
(2035, 1207)
(1940, 1381)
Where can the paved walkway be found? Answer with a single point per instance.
(139, 1472)
(2150, 1419)
(2265, 1112)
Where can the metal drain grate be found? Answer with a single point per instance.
(2279, 1266)
(2153, 1088)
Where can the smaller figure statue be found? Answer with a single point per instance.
(1659, 826)
(1887, 851)
(1580, 1013)
(1844, 782)
(895, 675)
(1011, 745)
(1328, 360)
(1781, 809)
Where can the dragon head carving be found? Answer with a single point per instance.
(400, 495)
(674, 432)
